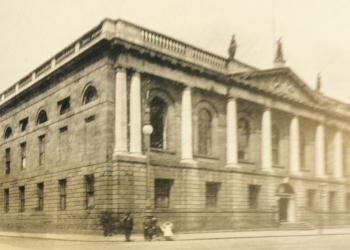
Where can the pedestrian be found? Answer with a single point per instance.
(147, 228)
(167, 229)
(128, 224)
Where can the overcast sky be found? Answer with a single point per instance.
(316, 33)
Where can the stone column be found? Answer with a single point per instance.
(135, 113)
(320, 151)
(231, 133)
(294, 146)
(186, 126)
(121, 127)
(266, 153)
(338, 155)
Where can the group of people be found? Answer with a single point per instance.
(150, 228)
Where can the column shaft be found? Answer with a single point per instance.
(320, 151)
(121, 129)
(186, 125)
(266, 153)
(135, 113)
(294, 147)
(231, 132)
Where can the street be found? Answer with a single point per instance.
(325, 242)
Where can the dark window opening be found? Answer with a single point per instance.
(64, 105)
(253, 196)
(40, 195)
(211, 193)
(23, 124)
(8, 132)
(158, 119)
(23, 147)
(204, 132)
(63, 195)
(90, 191)
(162, 189)
(6, 200)
(7, 161)
(22, 200)
(90, 95)
(42, 117)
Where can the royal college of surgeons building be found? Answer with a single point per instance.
(233, 147)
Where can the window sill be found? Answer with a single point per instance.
(209, 157)
(163, 151)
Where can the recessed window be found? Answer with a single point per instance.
(243, 139)
(42, 144)
(62, 192)
(253, 196)
(22, 200)
(162, 189)
(90, 191)
(90, 94)
(64, 105)
(332, 201)
(311, 197)
(40, 193)
(23, 147)
(211, 194)
(204, 132)
(42, 117)
(23, 124)
(7, 161)
(6, 200)
(275, 138)
(158, 114)
(8, 132)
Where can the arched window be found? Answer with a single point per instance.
(243, 139)
(42, 117)
(302, 148)
(275, 137)
(158, 109)
(204, 132)
(7, 133)
(90, 94)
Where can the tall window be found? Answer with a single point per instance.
(311, 196)
(6, 200)
(40, 195)
(64, 105)
(347, 200)
(211, 194)
(23, 147)
(42, 142)
(204, 132)
(22, 200)
(243, 139)
(162, 189)
(62, 192)
(63, 146)
(90, 191)
(90, 94)
(331, 200)
(158, 120)
(253, 196)
(42, 117)
(302, 149)
(7, 161)
(8, 132)
(275, 137)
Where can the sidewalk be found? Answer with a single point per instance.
(181, 236)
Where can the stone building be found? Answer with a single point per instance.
(232, 146)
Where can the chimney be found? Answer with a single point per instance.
(279, 60)
(318, 82)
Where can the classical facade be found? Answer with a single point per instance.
(232, 146)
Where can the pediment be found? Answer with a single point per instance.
(282, 82)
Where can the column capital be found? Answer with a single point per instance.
(119, 68)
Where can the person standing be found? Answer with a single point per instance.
(167, 228)
(128, 224)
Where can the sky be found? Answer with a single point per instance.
(315, 33)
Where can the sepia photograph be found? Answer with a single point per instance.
(163, 124)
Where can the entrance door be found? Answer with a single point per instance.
(283, 209)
